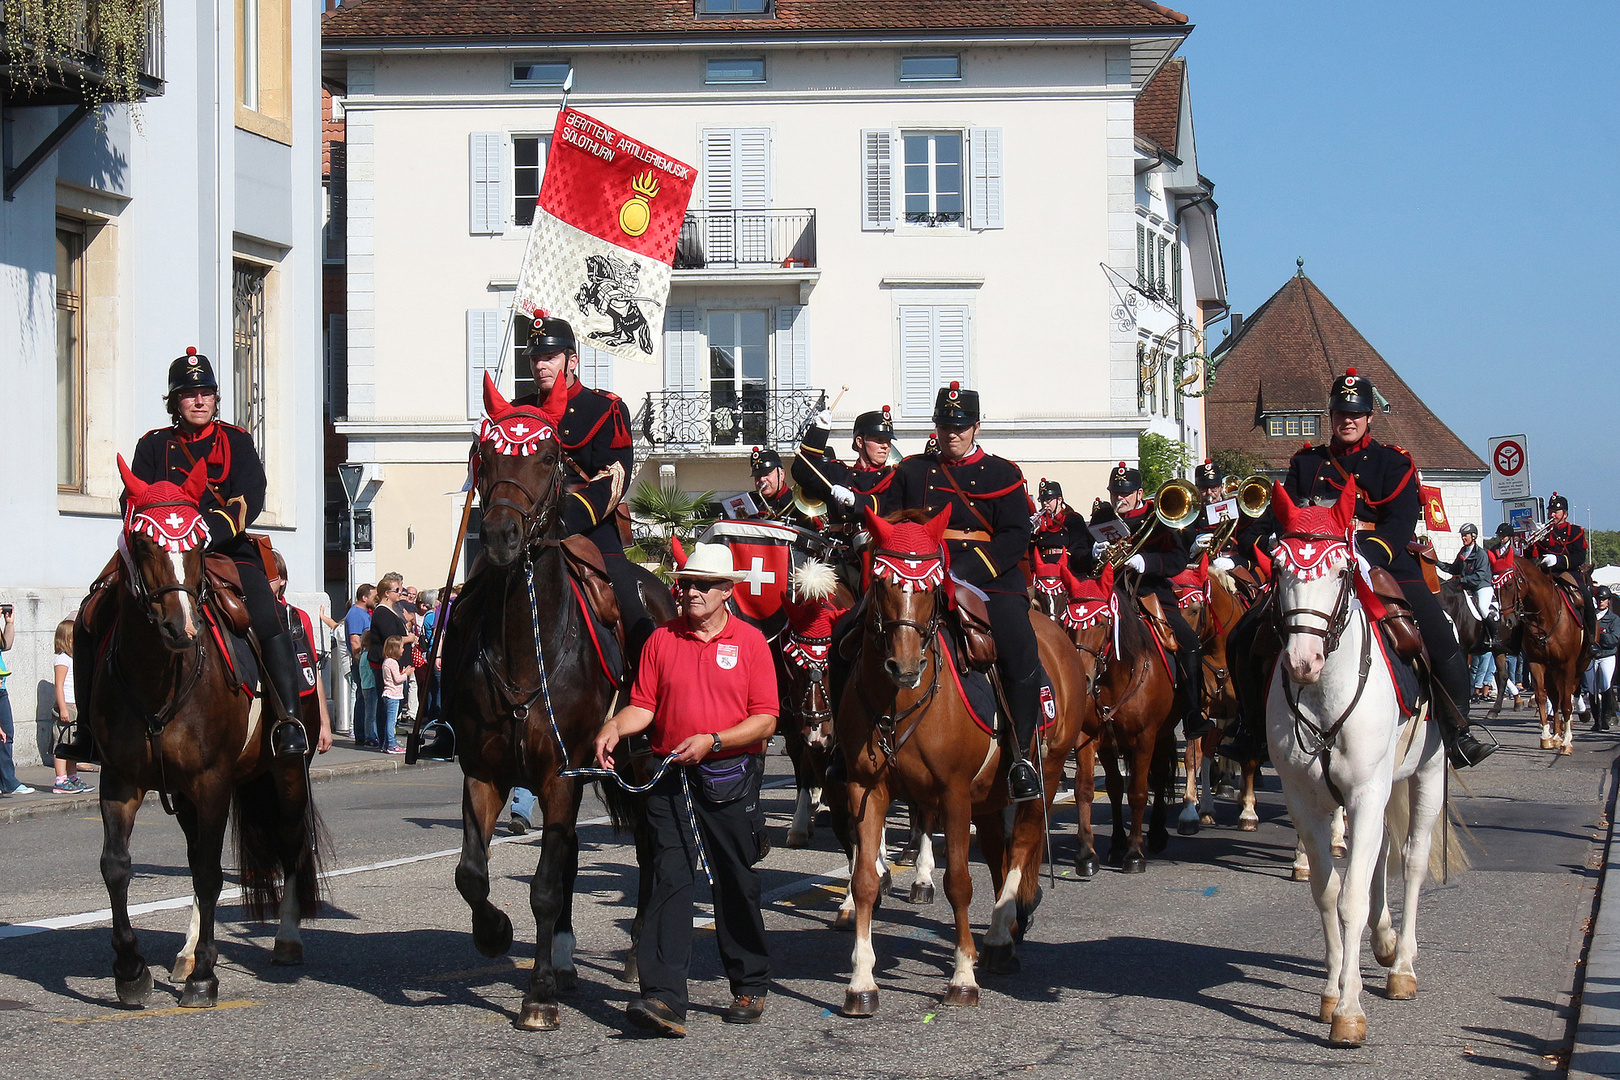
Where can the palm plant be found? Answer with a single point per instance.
(666, 511)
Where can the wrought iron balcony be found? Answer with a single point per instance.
(695, 421)
(112, 51)
(734, 239)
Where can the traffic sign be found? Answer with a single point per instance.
(1509, 458)
(350, 475)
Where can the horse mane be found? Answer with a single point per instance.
(1134, 637)
(919, 517)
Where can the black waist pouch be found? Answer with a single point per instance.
(725, 780)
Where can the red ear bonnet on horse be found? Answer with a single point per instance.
(196, 482)
(911, 555)
(1344, 511)
(164, 512)
(133, 485)
(495, 405)
(677, 552)
(1282, 507)
(519, 429)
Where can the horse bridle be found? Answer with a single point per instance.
(815, 674)
(879, 629)
(1334, 621)
(536, 518)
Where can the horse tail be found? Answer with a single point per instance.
(265, 847)
(1446, 854)
(625, 808)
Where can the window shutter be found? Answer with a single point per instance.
(984, 201)
(337, 366)
(483, 354)
(917, 384)
(595, 368)
(488, 209)
(720, 193)
(877, 179)
(951, 345)
(1175, 271)
(680, 348)
(792, 347)
(1142, 277)
(753, 192)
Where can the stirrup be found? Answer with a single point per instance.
(288, 739)
(1466, 751)
(1023, 782)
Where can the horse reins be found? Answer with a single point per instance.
(888, 724)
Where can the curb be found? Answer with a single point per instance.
(1596, 1050)
(317, 773)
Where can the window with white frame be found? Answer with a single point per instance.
(1292, 427)
(1158, 261)
(70, 411)
(733, 7)
(950, 178)
(734, 69)
(540, 72)
(933, 342)
(930, 68)
(528, 166)
(739, 375)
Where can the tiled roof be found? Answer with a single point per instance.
(1284, 359)
(1158, 106)
(540, 18)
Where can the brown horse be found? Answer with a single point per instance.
(170, 716)
(906, 732)
(526, 691)
(1134, 690)
(1555, 640)
(1211, 608)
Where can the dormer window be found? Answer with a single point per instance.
(734, 7)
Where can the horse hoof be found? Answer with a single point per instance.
(964, 996)
(1249, 824)
(797, 840)
(1187, 827)
(1348, 1031)
(1330, 1005)
(632, 970)
(1340, 851)
(844, 920)
(997, 960)
(538, 1016)
(1546, 744)
(1086, 867)
(183, 966)
(287, 954)
(907, 857)
(1401, 986)
(1206, 819)
(135, 991)
(567, 979)
(1134, 864)
(860, 1003)
(200, 995)
(921, 893)
(496, 942)
(1565, 751)
(1302, 873)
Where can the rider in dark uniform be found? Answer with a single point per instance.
(772, 490)
(1161, 558)
(848, 489)
(595, 437)
(1563, 551)
(1058, 527)
(1388, 505)
(1201, 533)
(230, 505)
(988, 535)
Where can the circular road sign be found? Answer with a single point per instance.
(1509, 458)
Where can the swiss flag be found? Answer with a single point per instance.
(768, 565)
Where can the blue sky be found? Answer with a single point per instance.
(1447, 172)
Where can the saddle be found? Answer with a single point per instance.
(1428, 561)
(1153, 615)
(973, 627)
(1399, 626)
(589, 571)
(225, 596)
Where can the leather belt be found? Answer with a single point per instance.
(1366, 526)
(977, 535)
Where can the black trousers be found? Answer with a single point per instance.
(1018, 658)
(633, 615)
(1446, 657)
(1189, 662)
(731, 834)
(264, 614)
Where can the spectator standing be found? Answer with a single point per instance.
(396, 671)
(355, 625)
(1601, 674)
(386, 622)
(706, 689)
(9, 784)
(66, 713)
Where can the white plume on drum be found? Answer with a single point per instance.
(813, 580)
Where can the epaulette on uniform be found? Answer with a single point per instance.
(1401, 450)
(159, 430)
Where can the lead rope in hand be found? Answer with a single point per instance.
(594, 772)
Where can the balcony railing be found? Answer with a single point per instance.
(701, 420)
(43, 64)
(733, 239)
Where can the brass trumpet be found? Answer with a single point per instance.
(1175, 506)
(1253, 496)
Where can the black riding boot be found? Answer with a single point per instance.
(1191, 670)
(282, 676)
(1489, 644)
(1606, 709)
(80, 747)
(1452, 678)
(1024, 702)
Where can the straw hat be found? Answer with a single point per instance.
(711, 562)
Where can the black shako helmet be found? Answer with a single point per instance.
(876, 424)
(191, 372)
(1124, 480)
(1207, 475)
(763, 461)
(1352, 393)
(1557, 502)
(1050, 489)
(551, 335)
(955, 407)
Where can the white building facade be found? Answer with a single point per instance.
(195, 222)
(883, 210)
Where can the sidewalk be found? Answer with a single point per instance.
(342, 760)
(1597, 1035)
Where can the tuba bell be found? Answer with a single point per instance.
(1254, 495)
(1176, 505)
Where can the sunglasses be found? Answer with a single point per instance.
(700, 584)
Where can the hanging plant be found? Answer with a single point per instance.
(100, 43)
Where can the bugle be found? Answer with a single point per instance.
(1175, 506)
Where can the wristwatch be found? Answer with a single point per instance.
(715, 749)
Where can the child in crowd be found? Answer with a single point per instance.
(395, 672)
(66, 713)
(367, 723)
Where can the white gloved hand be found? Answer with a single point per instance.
(1200, 542)
(1549, 561)
(1222, 563)
(1098, 548)
(824, 419)
(1137, 563)
(843, 495)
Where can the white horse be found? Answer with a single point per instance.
(1338, 737)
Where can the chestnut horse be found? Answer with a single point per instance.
(170, 716)
(906, 732)
(526, 691)
(1557, 648)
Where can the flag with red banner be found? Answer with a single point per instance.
(767, 551)
(1434, 509)
(606, 222)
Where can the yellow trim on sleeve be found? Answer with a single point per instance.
(228, 520)
(980, 553)
(589, 509)
(1383, 545)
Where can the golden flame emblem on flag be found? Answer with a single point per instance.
(635, 215)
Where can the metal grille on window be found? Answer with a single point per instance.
(248, 350)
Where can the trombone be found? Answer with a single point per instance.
(1175, 506)
(1253, 496)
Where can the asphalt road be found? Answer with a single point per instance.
(1208, 964)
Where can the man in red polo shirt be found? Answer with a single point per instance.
(706, 687)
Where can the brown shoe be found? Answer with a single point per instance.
(745, 1009)
(650, 1014)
